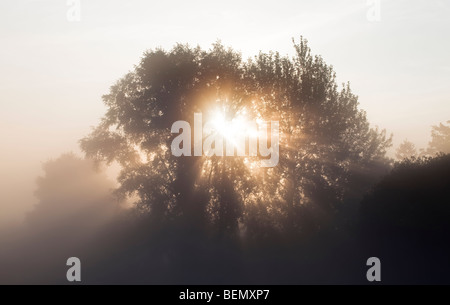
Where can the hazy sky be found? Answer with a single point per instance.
(53, 72)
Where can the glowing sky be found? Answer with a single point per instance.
(53, 72)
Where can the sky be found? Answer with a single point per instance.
(53, 71)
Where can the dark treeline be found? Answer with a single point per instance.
(334, 200)
(405, 218)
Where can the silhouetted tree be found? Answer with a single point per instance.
(405, 220)
(326, 142)
(328, 149)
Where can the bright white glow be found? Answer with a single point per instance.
(232, 129)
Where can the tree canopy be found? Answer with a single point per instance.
(327, 147)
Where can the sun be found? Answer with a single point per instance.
(219, 124)
(232, 129)
(242, 135)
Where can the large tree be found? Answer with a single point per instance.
(326, 143)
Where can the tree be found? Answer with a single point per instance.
(76, 215)
(440, 139)
(73, 197)
(405, 219)
(406, 150)
(326, 141)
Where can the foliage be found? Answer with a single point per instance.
(327, 147)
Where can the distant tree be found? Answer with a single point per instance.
(76, 215)
(326, 143)
(73, 196)
(406, 150)
(440, 139)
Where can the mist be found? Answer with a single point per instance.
(74, 202)
(86, 171)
